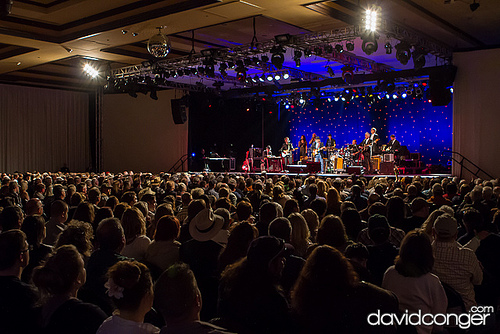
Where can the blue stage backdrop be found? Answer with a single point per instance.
(417, 124)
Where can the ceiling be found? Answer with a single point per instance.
(46, 42)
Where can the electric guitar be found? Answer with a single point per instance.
(287, 153)
(316, 150)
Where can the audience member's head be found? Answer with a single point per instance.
(78, 234)
(110, 236)
(332, 232)
(244, 210)
(34, 207)
(378, 229)
(14, 255)
(312, 221)
(11, 218)
(167, 229)
(445, 228)
(34, 228)
(280, 228)
(63, 272)
(415, 255)
(176, 295)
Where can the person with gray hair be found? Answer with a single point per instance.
(455, 265)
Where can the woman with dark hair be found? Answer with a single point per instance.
(164, 250)
(130, 287)
(302, 148)
(352, 223)
(331, 232)
(59, 280)
(85, 213)
(34, 228)
(241, 236)
(134, 226)
(396, 212)
(412, 281)
(250, 298)
(329, 298)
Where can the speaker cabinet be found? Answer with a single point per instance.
(179, 110)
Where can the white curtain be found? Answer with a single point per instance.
(43, 129)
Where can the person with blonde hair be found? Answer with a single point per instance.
(312, 221)
(134, 226)
(300, 239)
(333, 202)
(130, 287)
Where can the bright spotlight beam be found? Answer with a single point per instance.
(91, 71)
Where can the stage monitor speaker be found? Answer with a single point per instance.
(313, 167)
(356, 170)
(179, 110)
(386, 168)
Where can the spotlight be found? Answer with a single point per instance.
(282, 39)
(404, 95)
(241, 73)
(371, 18)
(302, 101)
(90, 71)
(255, 79)
(339, 48)
(370, 44)
(347, 74)
(269, 77)
(474, 6)
(349, 46)
(394, 96)
(277, 77)
(419, 58)
(403, 53)
(296, 57)
(262, 78)
(278, 56)
(388, 48)
(286, 75)
(328, 48)
(230, 64)
(307, 52)
(210, 71)
(331, 73)
(180, 72)
(194, 70)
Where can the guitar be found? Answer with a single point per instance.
(287, 153)
(316, 150)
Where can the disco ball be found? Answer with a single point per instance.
(159, 45)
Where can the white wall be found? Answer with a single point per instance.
(476, 109)
(139, 134)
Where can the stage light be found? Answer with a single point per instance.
(278, 56)
(387, 96)
(296, 57)
(241, 73)
(194, 70)
(347, 74)
(328, 48)
(451, 90)
(318, 51)
(370, 44)
(394, 96)
(371, 19)
(269, 77)
(230, 64)
(264, 59)
(277, 77)
(349, 46)
(91, 71)
(307, 52)
(255, 79)
(388, 48)
(201, 70)
(302, 101)
(331, 73)
(329, 99)
(180, 72)
(286, 75)
(419, 58)
(282, 39)
(337, 97)
(287, 106)
(262, 78)
(403, 95)
(339, 48)
(403, 53)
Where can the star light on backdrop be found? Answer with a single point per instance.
(416, 123)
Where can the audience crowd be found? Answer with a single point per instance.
(232, 253)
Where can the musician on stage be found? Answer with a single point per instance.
(317, 147)
(330, 145)
(393, 145)
(303, 148)
(286, 152)
(366, 146)
(312, 139)
(374, 149)
(355, 151)
(264, 165)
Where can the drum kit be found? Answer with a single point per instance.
(339, 159)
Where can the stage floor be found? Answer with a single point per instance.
(341, 175)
